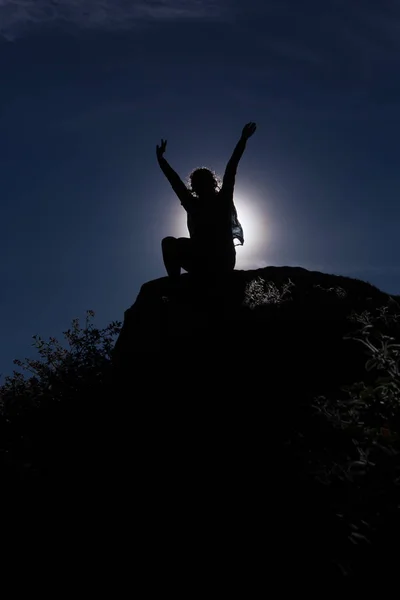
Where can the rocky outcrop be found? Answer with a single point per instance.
(267, 329)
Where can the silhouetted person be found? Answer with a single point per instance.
(211, 217)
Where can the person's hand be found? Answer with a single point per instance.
(161, 148)
(248, 130)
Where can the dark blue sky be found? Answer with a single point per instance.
(87, 90)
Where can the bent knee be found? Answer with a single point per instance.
(168, 241)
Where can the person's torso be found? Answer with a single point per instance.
(210, 220)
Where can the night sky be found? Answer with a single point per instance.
(89, 87)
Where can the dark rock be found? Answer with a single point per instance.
(241, 335)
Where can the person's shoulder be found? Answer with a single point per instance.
(224, 193)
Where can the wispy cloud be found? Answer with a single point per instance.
(20, 16)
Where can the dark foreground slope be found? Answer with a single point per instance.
(235, 442)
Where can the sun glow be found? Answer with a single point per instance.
(251, 221)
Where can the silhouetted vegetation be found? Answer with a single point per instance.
(51, 393)
(355, 457)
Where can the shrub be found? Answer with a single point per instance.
(62, 370)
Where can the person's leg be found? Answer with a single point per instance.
(223, 260)
(182, 253)
(186, 253)
(169, 246)
(230, 259)
(177, 255)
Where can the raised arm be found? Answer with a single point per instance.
(176, 182)
(231, 168)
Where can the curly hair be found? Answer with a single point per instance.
(203, 174)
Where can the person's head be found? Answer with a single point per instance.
(203, 182)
